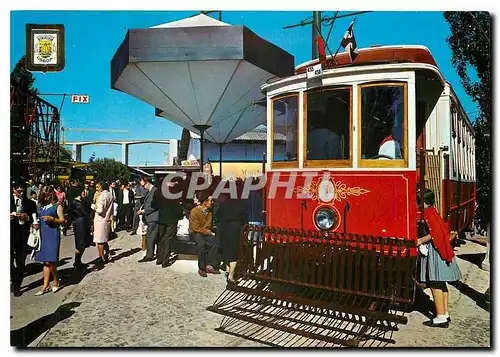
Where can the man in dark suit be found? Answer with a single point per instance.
(90, 199)
(73, 191)
(151, 216)
(170, 212)
(21, 218)
(125, 206)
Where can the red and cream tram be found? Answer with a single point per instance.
(364, 125)
(339, 245)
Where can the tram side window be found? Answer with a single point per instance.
(382, 115)
(328, 125)
(285, 126)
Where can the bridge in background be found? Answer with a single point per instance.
(77, 147)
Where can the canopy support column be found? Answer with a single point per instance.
(202, 128)
(220, 158)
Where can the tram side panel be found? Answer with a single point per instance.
(380, 203)
(461, 204)
(459, 193)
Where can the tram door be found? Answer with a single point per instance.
(432, 158)
(420, 129)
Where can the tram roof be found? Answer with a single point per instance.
(376, 55)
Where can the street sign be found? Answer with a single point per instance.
(314, 71)
(80, 99)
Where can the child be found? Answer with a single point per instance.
(439, 265)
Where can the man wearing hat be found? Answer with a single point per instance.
(23, 213)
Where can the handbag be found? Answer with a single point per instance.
(143, 228)
(34, 239)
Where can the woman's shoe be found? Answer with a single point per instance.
(430, 323)
(57, 288)
(43, 291)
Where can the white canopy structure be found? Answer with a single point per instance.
(200, 73)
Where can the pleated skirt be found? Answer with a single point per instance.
(434, 268)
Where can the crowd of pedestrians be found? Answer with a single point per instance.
(94, 211)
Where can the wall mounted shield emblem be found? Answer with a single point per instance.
(45, 48)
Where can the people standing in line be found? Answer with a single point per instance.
(114, 216)
(51, 216)
(34, 198)
(112, 190)
(32, 188)
(90, 199)
(125, 202)
(142, 230)
(98, 190)
(72, 192)
(102, 221)
(139, 194)
(80, 214)
(86, 189)
(40, 188)
(170, 212)
(200, 228)
(21, 217)
(438, 265)
(231, 215)
(61, 196)
(151, 217)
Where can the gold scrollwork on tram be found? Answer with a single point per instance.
(340, 191)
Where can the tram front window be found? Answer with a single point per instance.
(382, 121)
(328, 124)
(285, 122)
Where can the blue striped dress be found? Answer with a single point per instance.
(434, 268)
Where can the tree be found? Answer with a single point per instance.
(470, 43)
(22, 78)
(107, 170)
(22, 84)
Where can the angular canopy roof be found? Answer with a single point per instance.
(200, 71)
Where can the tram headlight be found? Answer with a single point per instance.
(325, 218)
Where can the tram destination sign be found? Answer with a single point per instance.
(75, 98)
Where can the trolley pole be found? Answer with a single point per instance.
(316, 31)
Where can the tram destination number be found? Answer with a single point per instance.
(314, 71)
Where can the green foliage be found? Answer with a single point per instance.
(23, 79)
(470, 42)
(107, 170)
(23, 83)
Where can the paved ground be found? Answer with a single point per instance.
(470, 325)
(140, 304)
(30, 313)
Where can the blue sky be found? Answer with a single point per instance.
(92, 38)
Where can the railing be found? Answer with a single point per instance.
(378, 267)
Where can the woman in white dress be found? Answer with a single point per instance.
(102, 220)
